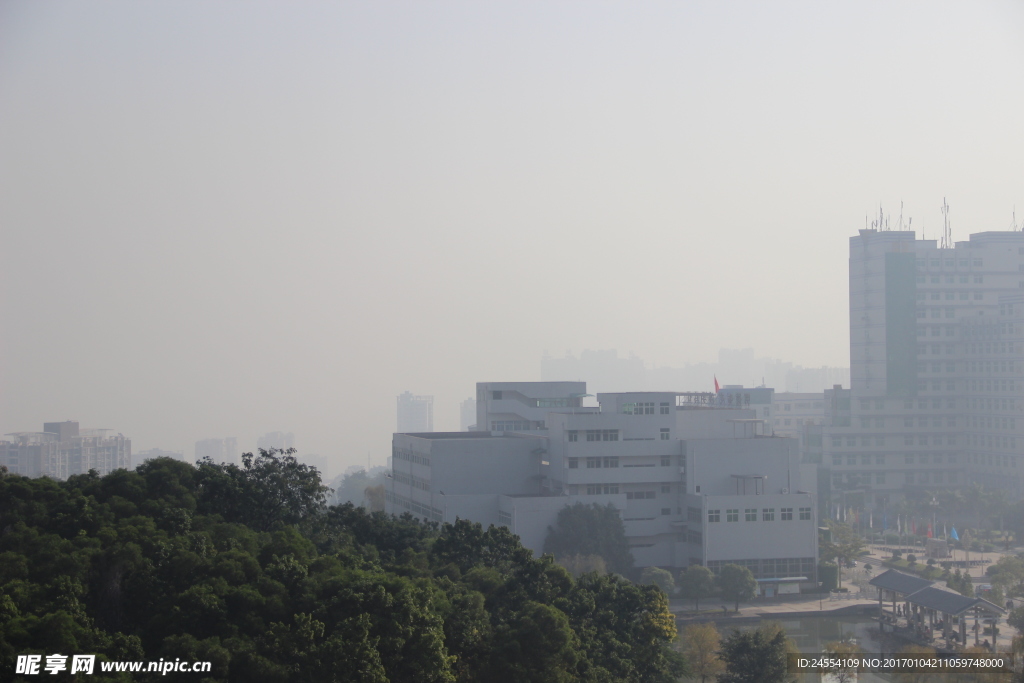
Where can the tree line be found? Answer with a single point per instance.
(246, 566)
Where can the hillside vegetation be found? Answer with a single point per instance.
(246, 567)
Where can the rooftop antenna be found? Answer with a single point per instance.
(1013, 226)
(947, 238)
(882, 223)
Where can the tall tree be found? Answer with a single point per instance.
(700, 645)
(593, 529)
(695, 583)
(843, 546)
(844, 652)
(756, 656)
(736, 583)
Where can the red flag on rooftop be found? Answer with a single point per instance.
(717, 388)
(929, 530)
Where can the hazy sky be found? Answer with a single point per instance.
(222, 219)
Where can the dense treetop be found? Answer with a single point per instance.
(246, 566)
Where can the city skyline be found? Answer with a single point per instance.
(285, 217)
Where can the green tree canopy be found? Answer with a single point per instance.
(755, 656)
(696, 582)
(591, 530)
(246, 567)
(736, 583)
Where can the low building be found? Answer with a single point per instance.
(676, 466)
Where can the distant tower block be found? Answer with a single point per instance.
(415, 414)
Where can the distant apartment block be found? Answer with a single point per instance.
(695, 481)
(415, 413)
(62, 450)
(467, 415)
(218, 450)
(279, 440)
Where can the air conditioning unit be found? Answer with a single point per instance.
(784, 491)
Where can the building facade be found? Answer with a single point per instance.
(218, 450)
(936, 361)
(665, 460)
(63, 449)
(279, 440)
(415, 413)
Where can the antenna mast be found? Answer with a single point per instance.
(947, 235)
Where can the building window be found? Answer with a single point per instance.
(574, 463)
(602, 489)
(602, 435)
(666, 511)
(611, 462)
(640, 408)
(665, 433)
(666, 461)
(805, 513)
(666, 488)
(714, 515)
(664, 408)
(768, 515)
(787, 514)
(732, 515)
(573, 435)
(750, 514)
(837, 441)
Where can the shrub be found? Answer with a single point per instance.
(912, 559)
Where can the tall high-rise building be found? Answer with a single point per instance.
(218, 450)
(467, 415)
(62, 449)
(415, 414)
(936, 361)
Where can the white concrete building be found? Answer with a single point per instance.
(936, 363)
(524, 406)
(659, 457)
